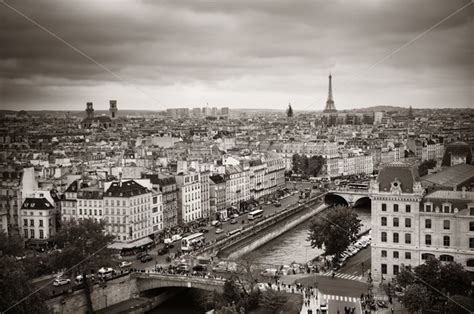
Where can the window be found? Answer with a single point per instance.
(395, 222)
(32, 223)
(407, 238)
(407, 223)
(395, 237)
(383, 253)
(32, 233)
(384, 269)
(428, 223)
(41, 222)
(471, 226)
(471, 211)
(26, 233)
(471, 243)
(446, 241)
(446, 258)
(408, 208)
(446, 224)
(25, 222)
(428, 239)
(80, 211)
(384, 207)
(395, 269)
(395, 254)
(446, 208)
(428, 208)
(407, 255)
(383, 221)
(395, 208)
(384, 236)
(426, 256)
(41, 234)
(470, 263)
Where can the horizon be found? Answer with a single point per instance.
(245, 55)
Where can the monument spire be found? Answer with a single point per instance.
(330, 102)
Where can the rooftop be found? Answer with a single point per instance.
(125, 189)
(406, 174)
(36, 203)
(452, 176)
(452, 195)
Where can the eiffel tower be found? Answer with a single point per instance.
(330, 102)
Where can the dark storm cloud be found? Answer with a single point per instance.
(239, 52)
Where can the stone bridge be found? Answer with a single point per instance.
(349, 197)
(151, 280)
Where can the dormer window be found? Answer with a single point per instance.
(446, 208)
(428, 207)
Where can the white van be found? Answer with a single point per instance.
(105, 273)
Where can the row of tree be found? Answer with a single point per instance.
(442, 287)
(308, 167)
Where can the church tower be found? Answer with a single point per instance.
(113, 109)
(330, 102)
(90, 110)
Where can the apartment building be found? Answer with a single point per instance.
(169, 195)
(205, 206)
(237, 187)
(38, 215)
(189, 197)
(128, 210)
(217, 196)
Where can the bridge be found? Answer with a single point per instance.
(152, 280)
(346, 196)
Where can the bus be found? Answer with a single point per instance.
(191, 241)
(255, 214)
(232, 232)
(359, 186)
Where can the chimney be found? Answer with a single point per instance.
(120, 179)
(463, 193)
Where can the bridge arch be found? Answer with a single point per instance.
(363, 202)
(334, 199)
(152, 281)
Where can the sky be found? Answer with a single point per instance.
(241, 54)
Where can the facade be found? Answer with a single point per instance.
(38, 214)
(348, 164)
(396, 197)
(217, 196)
(90, 203)
(189, 197)
(257, 178)
(237, 182)
(169, 194)
(274, 174)
(128, 210)
(205, 206)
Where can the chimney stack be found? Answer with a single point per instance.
(463, 193)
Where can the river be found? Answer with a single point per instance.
(292, 245)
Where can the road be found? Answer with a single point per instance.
(358, 264)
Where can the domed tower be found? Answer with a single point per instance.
(90, 110)
(113, 108)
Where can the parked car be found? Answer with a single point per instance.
(204, 230)
(215, 222)
(140, 255)
(61, 282)
(219, 230)
(146, 258)
(235, 216)
(125, 264)
(199, 268)
(79, 278)
(225, 219)
(278, 204)
(233, 221)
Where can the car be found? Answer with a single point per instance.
(233, 221)
(146, 258)
(140, 255)
(235, 216)
(204, 230)
(163, 251)
(215, 222)
(278, 204)
(219, 230)
(61, 282)
(91, 277)
(225, 219)
(125, 264)
(199, 268)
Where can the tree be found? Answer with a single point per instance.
(272, 301)
(289, 111)
(405, 277)
(429, 273)
(334, 231)
(84, 244)
(11, 245)
(84, 247)
(416, 297)
(15, 285)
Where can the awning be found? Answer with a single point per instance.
(130, 245)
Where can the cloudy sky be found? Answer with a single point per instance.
(240, 53)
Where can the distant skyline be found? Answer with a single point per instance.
(237, 54)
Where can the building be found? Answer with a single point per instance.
(38, 215)
(237, 180)
(217, 196)
(457, 153)
(91, 121)
(257, 178)
(128, 211)
(169, 194)
(189, 197)
(396, 196)
(274, 177)
(205, 205)
(90, 203)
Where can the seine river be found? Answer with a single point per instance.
(292, 245)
